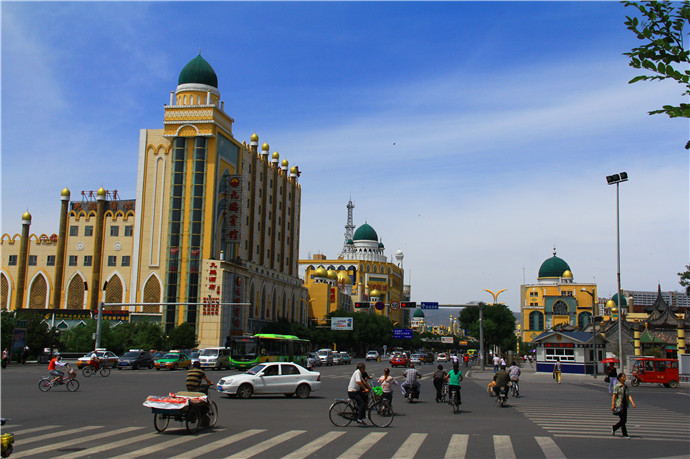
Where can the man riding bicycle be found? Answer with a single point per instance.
(357, 391)
(502, 379)
(411, 375)
(514, 373)
(195, 377)
(56, 366)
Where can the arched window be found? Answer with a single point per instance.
(584, 319)
(536, 321)
(113, 292)
(5, 292)
(75, 293)
(152, 294)
(560, 308)
(39, 293)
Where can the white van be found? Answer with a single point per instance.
(215, 358)
(326, 356)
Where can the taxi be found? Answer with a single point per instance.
(173, 360)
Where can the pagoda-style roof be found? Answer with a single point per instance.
(660, 305)
(658, 337)
(661, 315)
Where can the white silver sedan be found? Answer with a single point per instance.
(272, 378)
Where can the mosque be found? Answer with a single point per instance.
(211, 237)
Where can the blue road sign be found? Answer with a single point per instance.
(429, 305)
(379, 305)
(402, 333)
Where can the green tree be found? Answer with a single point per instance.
(661, 29)
(499, 325)
(684, 279)
(287, 327)
(183, 337)
(7, 323)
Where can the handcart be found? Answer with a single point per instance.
(194, 409)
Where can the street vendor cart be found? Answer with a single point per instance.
(194, 409)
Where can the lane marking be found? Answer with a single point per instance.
(263, 446)
(224, 442)
(410, 447)
(549, 448)
(108, 446)
(55, 434)
(315, 445)
(362, 446)
(503, 447)
(457, 446)
(78, 441)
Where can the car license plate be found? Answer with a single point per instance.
(220, 388)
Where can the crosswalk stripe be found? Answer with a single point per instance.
(503, 447)
(410, 447)
(157, 447)
(549, 448)
(19, 433)
(224, 442)
(457, 446)
(88, 438)
(108, 446)
(263, 446)
(61, 433)
(315, 445)
(362, 446)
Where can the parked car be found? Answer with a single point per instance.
(399, 360)
(442, 357)
(173, 361)
(416, 359)
(326, 356)
(135, 359)
(373, 355)
(108, 358)
(337, 358)
(272, 378)
(346, 359)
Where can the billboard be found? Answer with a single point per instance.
(341, 323)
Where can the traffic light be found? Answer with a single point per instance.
(361, 305)
(408, 304)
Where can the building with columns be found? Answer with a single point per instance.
(214, 220)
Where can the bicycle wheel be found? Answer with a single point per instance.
(72, 385)
(87, 371)
(193, 419)
(212, 414)
(381, 414)
(454, 402)
(44, 385)
(341, 414)
(160, 422)
(105, 372)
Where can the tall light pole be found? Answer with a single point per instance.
(594, 331)
(617, 179)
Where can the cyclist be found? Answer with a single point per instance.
(95, 361)
(56, 367)
(386, 381)
(411, 375)
(514, 373)
(439, 377)
(194, 379)
(357, 392)
(502, 379)
(454, 377)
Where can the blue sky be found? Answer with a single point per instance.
(472, 136)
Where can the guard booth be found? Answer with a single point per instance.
(575, 349)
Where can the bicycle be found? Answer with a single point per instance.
(444, 392)
(380, 412)
(70, 381)
(194, 415)
(514, 389)
(88, 370)
(454, 401)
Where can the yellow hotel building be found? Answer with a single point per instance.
(214, 221)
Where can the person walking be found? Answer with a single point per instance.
(5, 357)
(497, 362)
(557, 370)
(612, 376)
(619, 405)
(438, 377)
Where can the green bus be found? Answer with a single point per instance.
(247, 351)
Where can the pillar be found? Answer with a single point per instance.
(23, 257)
(636, 335)
(681, 337)
(97, 250)
(60, 255)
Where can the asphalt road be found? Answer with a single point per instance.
(105, 418)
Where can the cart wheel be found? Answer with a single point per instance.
(193, 419)
(160, 422)
(73, 385)
(635, 382)
(673, 384)
(212, 414)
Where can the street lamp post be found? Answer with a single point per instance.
(617, 179)
(594, 332)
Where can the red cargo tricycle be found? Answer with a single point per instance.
(194, 409)
(653, 370)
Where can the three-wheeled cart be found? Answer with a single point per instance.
(194, 409)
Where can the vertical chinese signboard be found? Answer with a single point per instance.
(232, 186)
(234, 293)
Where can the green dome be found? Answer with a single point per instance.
(350, 242)
(198, 71)
(553, 267)
(418, 313)
(380, 245)
(624, 302)
(365, 233)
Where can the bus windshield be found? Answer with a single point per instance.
(243, 348)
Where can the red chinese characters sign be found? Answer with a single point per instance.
(232, 185)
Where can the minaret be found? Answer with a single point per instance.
(349, 226)
(60, 255)
(23, 256)
(97, 249)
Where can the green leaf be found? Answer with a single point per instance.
(637, 78)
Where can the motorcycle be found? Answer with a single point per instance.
(502, 395)
(412, 393)
(7, 440)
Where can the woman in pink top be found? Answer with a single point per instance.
(386, 381)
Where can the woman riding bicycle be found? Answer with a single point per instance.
(454, 377)
(56, 367)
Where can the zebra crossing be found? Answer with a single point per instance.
(136, 442)
(571, 419)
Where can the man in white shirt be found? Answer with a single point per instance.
(357, 392)
(497, 362)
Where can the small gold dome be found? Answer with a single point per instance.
(612, 306)
(285, 163)
(26, 216)
(567, 273)
(265, 147)
(374, 294)
(331, 274)
(100, 192)
(293, 170)
(255, 137)
(65, 192)
(344, 278)
(320, 272)
(276, 155)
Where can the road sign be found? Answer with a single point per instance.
(429, 305)
(402, 333)
(408, 304)
(395, 305)
(379, 305)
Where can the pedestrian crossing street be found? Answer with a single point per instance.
(571, 419)
(133, 442)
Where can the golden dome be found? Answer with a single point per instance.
(255, 137)
(65, 192)
(374, 294)
(567, 273)
(293, 170)
(320, 272)
(100, 192)
(26, 216)
(285, 163)
(612, 305)
(344, 278)
(276, 155)
(265, 147)
(331, 274)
